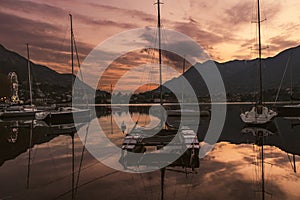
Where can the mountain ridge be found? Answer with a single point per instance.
(12, 61)
(239, 76)
(46, 82)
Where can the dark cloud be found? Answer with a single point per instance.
(43, 10)
(46, 46)
(139, 58)
(134, 14)
(58, 13)
(104, 23)
(280, 43)
(207, 39)
(240, 13)
(193, 30)
(245, 12)
(16, 31)
(49, 41)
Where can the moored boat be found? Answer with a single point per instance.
(65, 114)
(18, 111)
(259, 114)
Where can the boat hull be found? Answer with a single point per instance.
(57, 117)
(255, 118)
(138, 144)
(12, 115)
(18, 112)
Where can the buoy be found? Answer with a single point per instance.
(123, 127)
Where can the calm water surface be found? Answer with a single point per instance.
(42, 162)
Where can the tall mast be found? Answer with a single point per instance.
(260, 100)
(72, 51)
(29, 74)
(159, 50)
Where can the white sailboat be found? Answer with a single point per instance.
(259, 114)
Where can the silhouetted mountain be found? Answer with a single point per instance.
(47, 83)
(13, 62)
(241, 76)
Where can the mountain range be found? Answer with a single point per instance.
(239, 76)
(13, 62)
(47, 79)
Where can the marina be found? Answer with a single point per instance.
(125, 110)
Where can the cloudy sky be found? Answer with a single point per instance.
(224, 30)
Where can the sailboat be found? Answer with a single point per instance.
(259, 114)
(65, 114)
(137, 140)
(21, 111)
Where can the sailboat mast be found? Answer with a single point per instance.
(159, 50)
(72, 51)
(29, 74)
(259, 55)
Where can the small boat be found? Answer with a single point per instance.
(18, 111)
(66, 114)
(259, 114)
(137, 142)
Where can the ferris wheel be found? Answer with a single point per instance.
(14, 84)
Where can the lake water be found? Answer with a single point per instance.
(42, 162)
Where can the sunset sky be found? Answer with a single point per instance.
(223, 29)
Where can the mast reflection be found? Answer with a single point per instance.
(261, 133)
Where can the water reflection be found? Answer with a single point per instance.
(260, 133)
(40, 160)
(294, 121)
